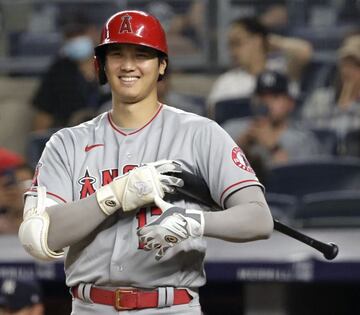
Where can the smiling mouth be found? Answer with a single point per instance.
(129, 80)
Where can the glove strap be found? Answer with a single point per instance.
(107, 200)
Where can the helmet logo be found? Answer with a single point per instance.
(125, 26)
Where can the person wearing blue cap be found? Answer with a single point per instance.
(272, 134)
(18, 297)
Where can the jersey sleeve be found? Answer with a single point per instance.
(221, 162)
(54, 170)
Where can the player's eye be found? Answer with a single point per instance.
(143, 55)
(114, 53)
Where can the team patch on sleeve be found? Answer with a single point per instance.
(240, 159)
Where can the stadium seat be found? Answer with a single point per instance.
(282, 206)
(317, 74)
(329, 209)
(232, 108)
(302, 177)
(328, 139)
(37, 44)
(351, 143)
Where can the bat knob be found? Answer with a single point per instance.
(332, 252)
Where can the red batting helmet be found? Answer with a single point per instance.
(129, 27)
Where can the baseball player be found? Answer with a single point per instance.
(101, 187)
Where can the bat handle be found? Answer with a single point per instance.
(331, 251)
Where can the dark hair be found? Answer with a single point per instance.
(254, 26)
(162, 57)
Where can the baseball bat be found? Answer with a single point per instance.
(196, 188)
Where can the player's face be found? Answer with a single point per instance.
(132, 72)
(242, 45)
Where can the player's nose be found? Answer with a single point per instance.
(128, 63)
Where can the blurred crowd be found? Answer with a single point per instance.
(21, 297)
(263, 100)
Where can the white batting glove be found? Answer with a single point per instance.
(173, 226)
(139, 186)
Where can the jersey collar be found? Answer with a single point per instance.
(112, 124)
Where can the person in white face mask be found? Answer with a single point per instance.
(68, 92)
(79, 48)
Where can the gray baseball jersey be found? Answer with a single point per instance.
(79, 160)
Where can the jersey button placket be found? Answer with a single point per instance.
(128, 153)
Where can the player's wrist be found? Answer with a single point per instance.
(196, 222)
(107, 200)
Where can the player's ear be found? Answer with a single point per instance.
(162, 66)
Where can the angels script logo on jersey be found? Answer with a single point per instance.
(240, 159)
(125, 26)
(88, 181)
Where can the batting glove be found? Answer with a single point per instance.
(173, 226)
(139, 186)
(168, 183)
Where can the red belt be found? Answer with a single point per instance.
(123, 299)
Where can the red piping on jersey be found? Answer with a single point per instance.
(231, 186)
(137, 130)
(56, 196)
(51, 194)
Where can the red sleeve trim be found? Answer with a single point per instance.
(236, 184)
(137, 130)
(56, 196)
(51, 194)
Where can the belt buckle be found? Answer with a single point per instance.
(118, 293)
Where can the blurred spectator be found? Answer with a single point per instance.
(253, 50)
(276, 18)
(9, 159)
(15, 179)
(271, 136)
(19, 297)
(338, 105)
(184, 30)
(70, 84)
